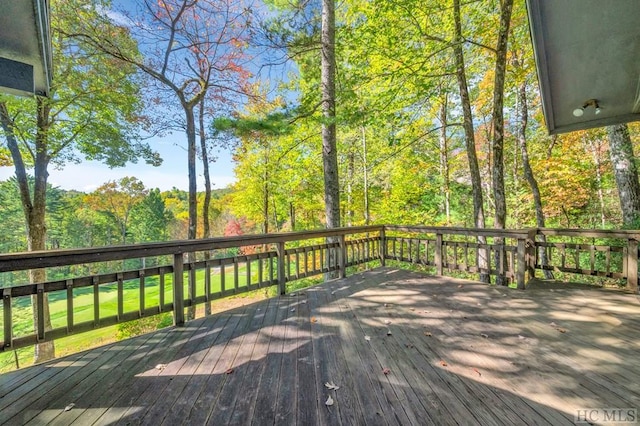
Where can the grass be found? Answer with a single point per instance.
(83, 309)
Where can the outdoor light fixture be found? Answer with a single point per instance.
(578, 112)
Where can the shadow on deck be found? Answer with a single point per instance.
(454, 352)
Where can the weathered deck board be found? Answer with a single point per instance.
(458, 352)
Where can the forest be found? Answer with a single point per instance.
(336, 114)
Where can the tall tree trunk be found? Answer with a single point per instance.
(528, 173)
(350, 173)
(596, 149)
(193, 194)
(34, 210)
(498, 129)
(329, 145)
(626, 173)
(365, 177)
(191, 166)
(206, 230)
(444, 159)
(469, 137)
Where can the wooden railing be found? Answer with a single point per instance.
(198, 273)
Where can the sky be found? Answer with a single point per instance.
(89, 175)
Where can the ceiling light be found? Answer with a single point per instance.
(579, 112)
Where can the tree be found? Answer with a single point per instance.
(197, 50)
(626, 173)
(116, 200)
(92, 111)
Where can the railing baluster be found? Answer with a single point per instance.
(383, 247)
(260, 266)
(222, 278)
(248, 263)
(40, 308)
(178, 289)
(632, 265)
(236, 284)
(438, 254)
(8, 317)
(282, 287)
(207, 283)
(96, 301)
(142, 293)
(69, 306)
(120, 296)
(161, 289)
(342, 256)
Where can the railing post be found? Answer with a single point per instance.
(522, 267)
(178, 289)
(438, 254)
(382, 249)
(343, 256)
(632, 265)
(530, 247)
(282, 278)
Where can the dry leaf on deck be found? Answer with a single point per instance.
(161, 367)
(388, 332)
(476, 371)
(386, 371)
(427, 333)
(387, 322)
(367, 338)
(69, 407)
(443, 363)
(314, 319)
(329, 401)
(229, 371)
(561, 330)
(486, 336)
(331, 386)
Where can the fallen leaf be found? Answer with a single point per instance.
(521, 337)
(427, 333)
(386, 371)
(553, 324)
(561, 330)
(161, 367)
(367, 338)
(460, 286)
(333, 292)
(331, 386)
(304, 302)
(387, 322)
(329, 401)
(69, 407)
(443, 363)
(412, 309)
(388, 332)
(314, 319)
(486, 336)
(409, 345)
(229, 371)
(293, 309)
(476, 370)
(386, 305)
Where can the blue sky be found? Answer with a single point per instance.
(89, 175)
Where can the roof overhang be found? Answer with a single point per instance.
(588, 58)
(25, 47)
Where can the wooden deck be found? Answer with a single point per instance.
(454, 352)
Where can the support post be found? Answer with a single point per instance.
(178, 289)
(522, 267)
(438, 254)
(282, 278)
(632, 265)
